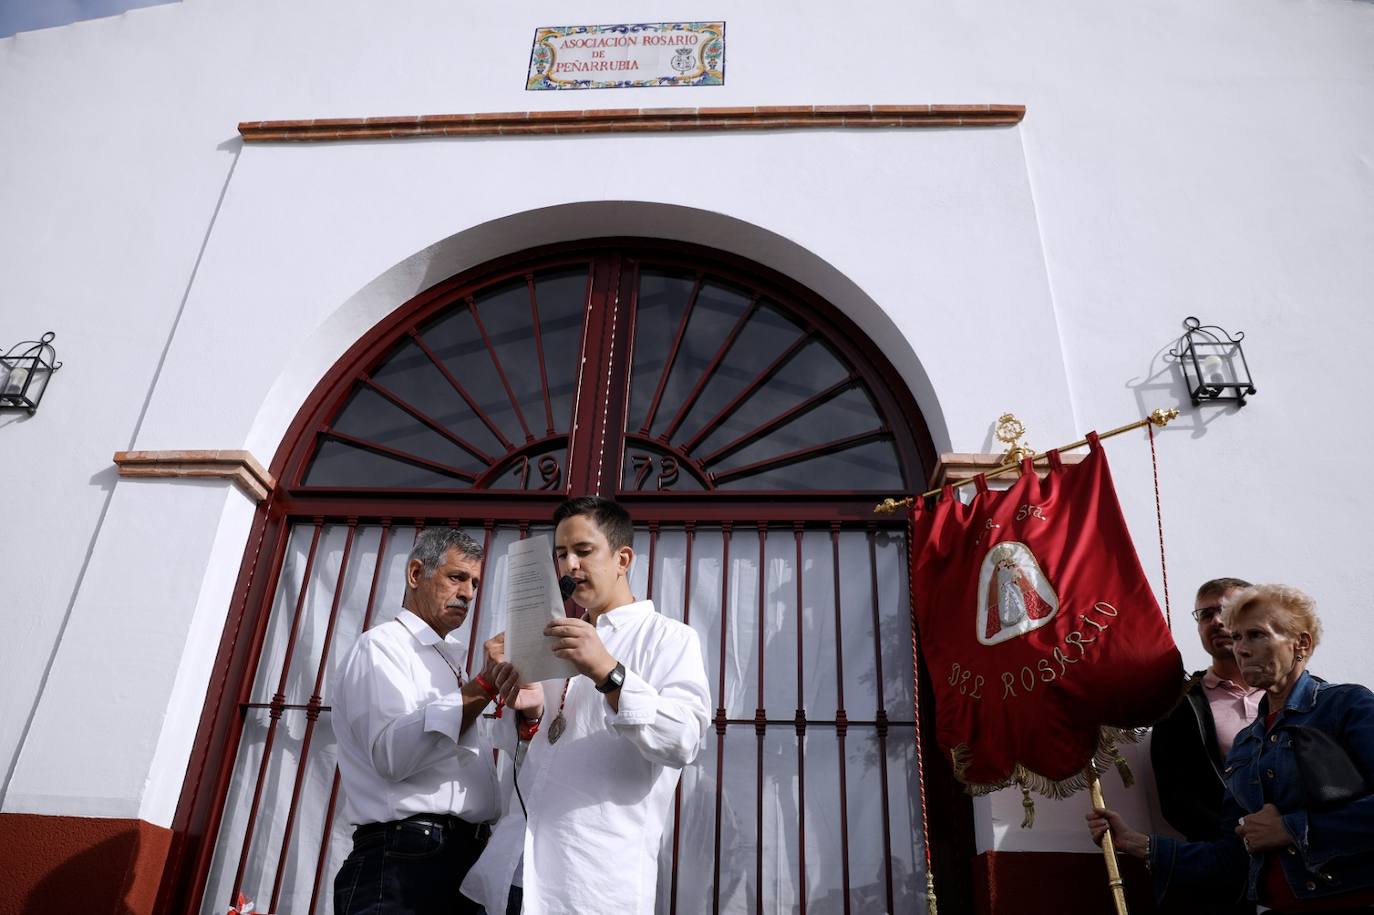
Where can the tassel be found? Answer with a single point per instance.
(931, 906)
(1123, 768)
(1027, 805)
(960, 757)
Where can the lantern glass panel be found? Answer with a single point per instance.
(16, 381)
(1215, 368)
(37, 382)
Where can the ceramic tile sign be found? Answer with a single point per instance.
(628, 56)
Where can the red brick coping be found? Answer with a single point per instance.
(239, 467)
(631, 120)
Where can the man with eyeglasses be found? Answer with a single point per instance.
(1188, 749)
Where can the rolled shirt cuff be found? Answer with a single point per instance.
(445, 716)
(638, 702)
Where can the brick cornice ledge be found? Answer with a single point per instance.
(630, 120)
(239, 467)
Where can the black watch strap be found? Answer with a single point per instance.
(614, 680)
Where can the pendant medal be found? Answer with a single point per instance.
(556, 729)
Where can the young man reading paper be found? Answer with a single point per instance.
(606, 746)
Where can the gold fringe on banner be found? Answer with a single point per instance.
(1106, 757)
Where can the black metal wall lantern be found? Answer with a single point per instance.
(24, 373)
(1214, 366)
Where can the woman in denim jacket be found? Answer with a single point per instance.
(1278, 850)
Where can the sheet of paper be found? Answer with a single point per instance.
(532, 599)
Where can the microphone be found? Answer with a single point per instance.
(566, 586)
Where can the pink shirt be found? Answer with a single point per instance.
(1233, 707)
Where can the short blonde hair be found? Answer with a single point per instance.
(1296, 611)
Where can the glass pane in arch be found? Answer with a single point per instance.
(761, 341)
(342, 464)
(479, 395)
(731, 390)
(662, 299)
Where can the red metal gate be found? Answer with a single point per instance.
(748, 428)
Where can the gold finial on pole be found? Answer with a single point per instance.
(1109, 851)
(1161, 418)
(1009, 430)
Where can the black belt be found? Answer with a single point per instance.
(452, 826)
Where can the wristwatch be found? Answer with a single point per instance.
(614, 680)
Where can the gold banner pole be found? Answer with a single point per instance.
(1160, 418)
(1109, 851)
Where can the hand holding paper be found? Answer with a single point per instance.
(532, 601)
(576, 640)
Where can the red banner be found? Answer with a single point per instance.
(1037, 625)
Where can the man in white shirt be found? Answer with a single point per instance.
(607, 746)
(415, 781)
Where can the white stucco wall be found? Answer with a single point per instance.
(1174, 160)
(114, 723)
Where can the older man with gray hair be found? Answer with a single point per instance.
(417, 786)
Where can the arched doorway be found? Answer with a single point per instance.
(747, 426)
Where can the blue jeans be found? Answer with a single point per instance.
(409, 867)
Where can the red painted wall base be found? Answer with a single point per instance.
(51, 865)
(1054, 883)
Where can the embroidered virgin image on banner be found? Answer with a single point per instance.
(1013, 595)
(627, 56)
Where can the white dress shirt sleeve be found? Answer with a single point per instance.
(404, 733)
(664, 710)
